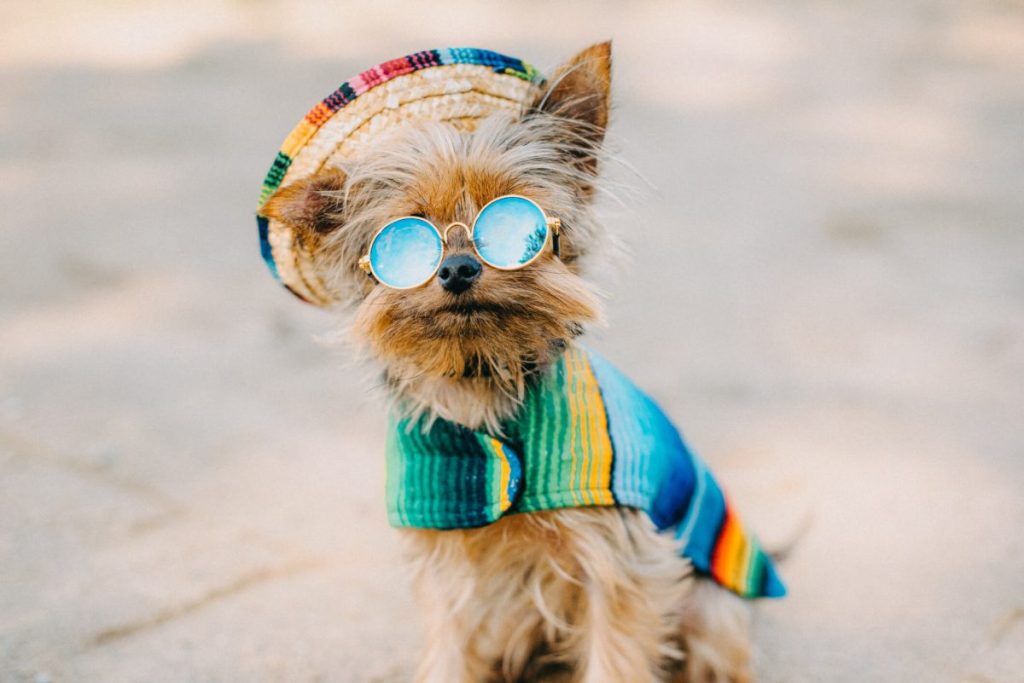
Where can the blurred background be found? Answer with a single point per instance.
(827, 292)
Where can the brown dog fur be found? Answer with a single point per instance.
(592, 595)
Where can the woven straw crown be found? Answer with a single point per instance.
(458, 85)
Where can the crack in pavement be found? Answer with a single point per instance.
(239, 585)
(28, 449)
(1006, 624)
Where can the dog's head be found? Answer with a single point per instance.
(471, 326)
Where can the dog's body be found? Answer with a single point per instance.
(594, 595)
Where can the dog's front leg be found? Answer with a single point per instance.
(446, 657)
(619, 643)
(450, 653)
(621, 635)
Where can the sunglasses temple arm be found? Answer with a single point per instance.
(556, 232)
(364, 265)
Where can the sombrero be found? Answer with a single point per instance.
(458, 85)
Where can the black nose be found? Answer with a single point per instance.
(458, 272)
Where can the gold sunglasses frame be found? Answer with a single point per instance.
(554, 230)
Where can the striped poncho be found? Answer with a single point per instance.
(584, 436)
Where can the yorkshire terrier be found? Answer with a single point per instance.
(592, 593)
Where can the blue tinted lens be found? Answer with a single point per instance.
(509, 232)
(405, 253)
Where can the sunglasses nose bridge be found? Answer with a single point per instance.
(448, 228)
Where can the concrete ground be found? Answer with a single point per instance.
(827, 291)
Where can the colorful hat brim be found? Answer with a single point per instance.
(460, 85)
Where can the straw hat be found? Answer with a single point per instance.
(459, 85)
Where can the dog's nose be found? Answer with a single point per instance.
(458, 272)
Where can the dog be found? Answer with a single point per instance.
(587, 593)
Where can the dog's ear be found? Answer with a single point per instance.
(313, 205)
(578, 93)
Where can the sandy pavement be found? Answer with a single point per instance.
(827, 291)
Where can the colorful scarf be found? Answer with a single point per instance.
(585, 436)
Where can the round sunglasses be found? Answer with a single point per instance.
(509, 233)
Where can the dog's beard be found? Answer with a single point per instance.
(469, 358)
